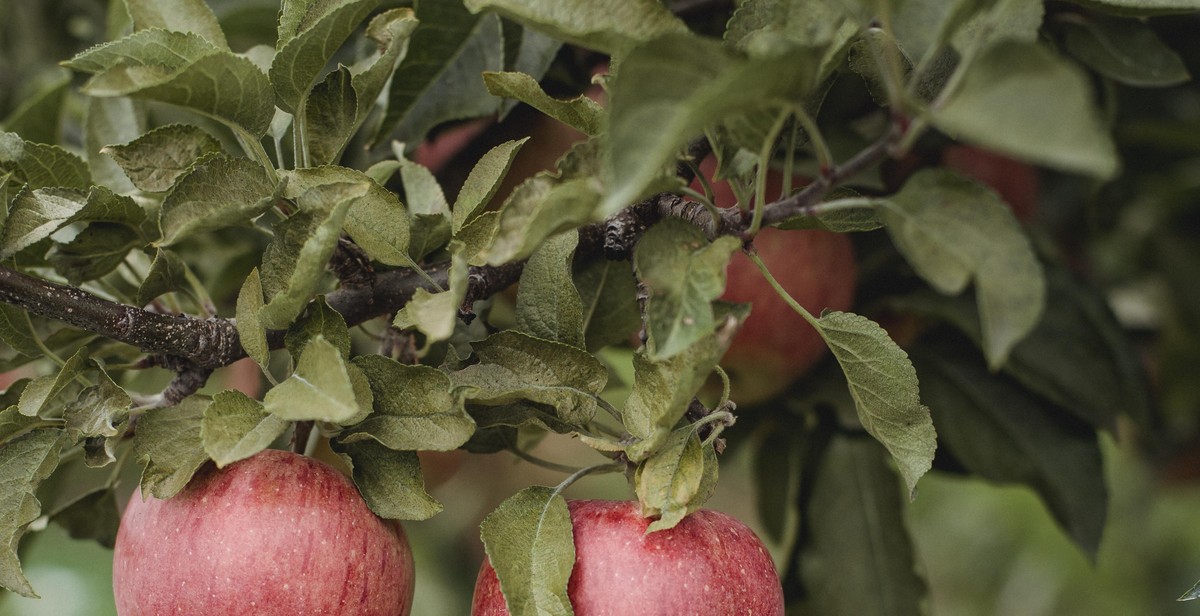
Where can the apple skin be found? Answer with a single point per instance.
(274, 534)
(710, 564)
(775, 345)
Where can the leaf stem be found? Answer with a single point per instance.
(608, 467)
(762, 267)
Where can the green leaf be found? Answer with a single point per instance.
(94, 252)
(168, 444)
(40, 166)
(676, 480)
(845, 215)
(883, 384)
(663, 389)
(428, 206)
(514, 366)
(318, 320)
(108, 121)
(178, 16)
(439, 78)
(38, 117)
(377, 221)
(93, 515)
(157, 159)
(436, 314)
(1126, 50)
(778, 461)
(608, 295)
(548, 304)
(321, 388)
(216, 192)
(182, 69)
(529, 543)
(44, 389)
(1023, 100)
(680, 85)
(483, 182)
(36, 215)
(609, 26)
(250, 329)
(518, 415)
(476, 236)
(17, 332)
(235, 427)
(391, 30)
(953, 230)
(390, 481)
(1143, 7)
(537, 209)
(580, 113)
(1001, 432)
(414, 408)
(329, 117)
(858, 558)
(761, 26)
(25, 462)
(1003, 20)
(167, 273)
(295, 260)
(99, 411)
(302, 53)
(683, 273)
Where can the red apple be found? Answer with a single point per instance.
(775, 345)
(708, 565)
(1015, 181)
(277, 533)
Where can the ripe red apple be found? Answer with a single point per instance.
(1015, 181)
(274, 534)
(708, 565)
(775, 345)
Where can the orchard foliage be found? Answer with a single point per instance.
(193, 185)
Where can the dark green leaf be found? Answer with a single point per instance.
(16, 331)
(93, 515)
(1143, 7)
(108, 121)
(529, 543)
(304, 51)
(683, 273)
(609, 26)
(216, 192)
(513, 366)
(329, 117)
(608, 294)
(168, 444)
(40, 166)
(236, 426)
(167, 273)
(318, 320)
(38, 117)
(858, 558)
(94, 252)
(414, 408)
(1023, 100)
(883, 384)
(390, 481)
(483, 182)
(157, 159)
(24, 462)
(1126, 50)
(548, 305)
(953, 230)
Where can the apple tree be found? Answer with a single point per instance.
(861, 240)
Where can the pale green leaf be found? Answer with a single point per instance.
(390, 481)
(98, 411)
(320, 389)
(680, 85)
(318, 320)
(377, 221)
(683, 273)
(177, 15)
(676, 480)
(883, 384)
(235, 427)
(301, 56)
(168, 444)
(953, 230)
(39, 165)
(43, 390)
(414, 408)
(182, 69)
(539, 208)
(1025, 101)
(483, 182)
(858, 558)
(167, 273)
(250, 329)
(514, 366)
(1003, 20)
(763, 26)
(436, 314)
(1126, 50)
(157, 159)
(609, 26)
(295, 260)
(25, 461)
(529, 543)
(108, 121)
(216, 192)
(580, 113)
(548, 304)
(439, 78)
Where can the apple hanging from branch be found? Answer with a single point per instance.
(274, 534)
(710, 564)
